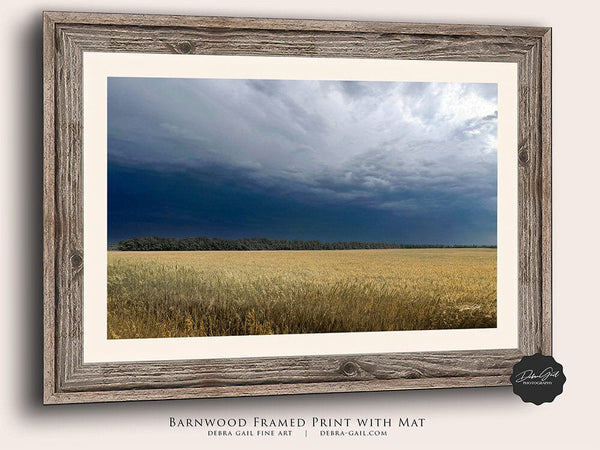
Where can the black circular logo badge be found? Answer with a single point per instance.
(538, 379)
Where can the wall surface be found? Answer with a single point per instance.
(467, 418)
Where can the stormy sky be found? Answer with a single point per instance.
(401, 162)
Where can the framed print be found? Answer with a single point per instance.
(238, 207)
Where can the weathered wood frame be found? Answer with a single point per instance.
(67, 35)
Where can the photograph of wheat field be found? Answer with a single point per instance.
(243, 206)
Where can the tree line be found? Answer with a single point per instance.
(154, 243)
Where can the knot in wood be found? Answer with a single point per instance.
(523, 156)
(76, 261)
(349, 368)
(185, 47)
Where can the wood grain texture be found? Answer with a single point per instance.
(289, 43)
(67, 35)
(50, 299)
(546, 200)
(293, 370)
(246, 23)
(272, 389)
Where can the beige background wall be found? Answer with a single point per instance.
(473, 418)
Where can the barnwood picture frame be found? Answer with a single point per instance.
(68, 379)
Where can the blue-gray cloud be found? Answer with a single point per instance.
(405, 149)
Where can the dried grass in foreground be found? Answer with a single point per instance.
(177, 294)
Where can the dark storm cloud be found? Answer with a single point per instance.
(402, 149)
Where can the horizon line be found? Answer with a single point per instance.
(315, 241)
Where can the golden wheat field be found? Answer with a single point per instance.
(176, 294)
